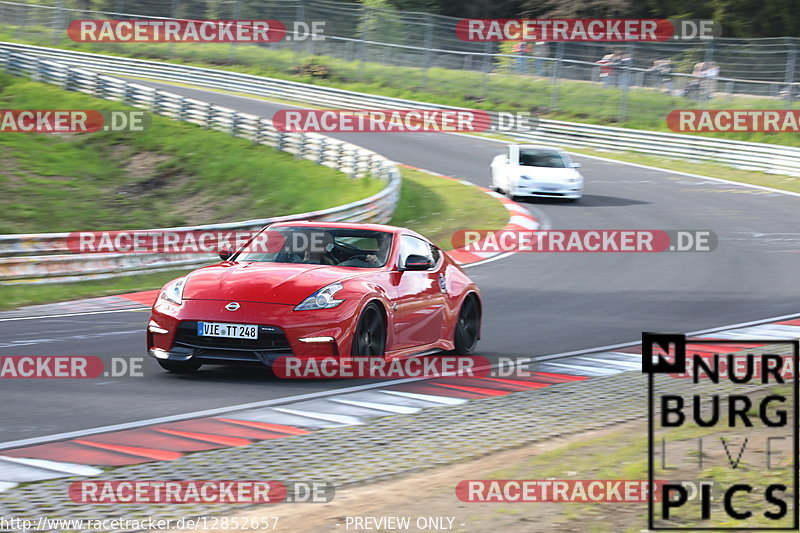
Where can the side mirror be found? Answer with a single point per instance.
(417, 262)
(225, 253)
(575, 165)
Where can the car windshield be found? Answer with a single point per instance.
(541, 158)
(350, 247)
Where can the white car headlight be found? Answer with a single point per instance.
(322, 299)
(173, 292)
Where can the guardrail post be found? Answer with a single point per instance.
(301, 146)
(261, 130)
(66, 82)
(281, 142)
(353, 164)
(97, 88)
(209, 122)
(130, 91)
(234, 123)
(182, 108)
(321, 151)
(36, 74)
(156, 100)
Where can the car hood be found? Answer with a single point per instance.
(281, 283)
(553, 175)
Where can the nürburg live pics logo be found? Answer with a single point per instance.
(723, 412)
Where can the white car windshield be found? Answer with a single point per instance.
(541, 158)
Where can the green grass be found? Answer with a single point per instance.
(171, 174)
(580, 101)
(428, 204)
(437, 207)
(13, 296)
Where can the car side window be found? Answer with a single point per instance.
(413, 246)
(435, 253)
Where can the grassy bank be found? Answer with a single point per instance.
(433, 206)
(171, 174)
(576, 100)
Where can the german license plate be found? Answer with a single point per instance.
(231, 331)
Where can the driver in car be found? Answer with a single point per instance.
(315, 255)
(312, 249)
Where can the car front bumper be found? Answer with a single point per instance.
(172, 332)
(548, 190)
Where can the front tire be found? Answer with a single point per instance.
(468, 326)
(180, 367)
(370, 336)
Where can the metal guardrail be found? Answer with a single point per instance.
(44, 258)
(739, 154)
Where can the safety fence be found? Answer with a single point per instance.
(762, 157)
(359, 34)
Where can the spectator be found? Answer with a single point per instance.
(622, 67)
(692, 89)
(709, 82)
(662, 68)
(521, 49)
(606, 69)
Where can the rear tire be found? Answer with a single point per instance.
(468, 326)
(180, 367)
(370, 337)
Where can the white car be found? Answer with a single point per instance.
(528, 170)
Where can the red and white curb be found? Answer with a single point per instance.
(519, 219)
(604, 363)
(172, 440)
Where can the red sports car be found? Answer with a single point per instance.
(325, 290)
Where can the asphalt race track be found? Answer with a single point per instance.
(535, 304)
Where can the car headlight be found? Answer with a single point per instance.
(322, 299)
(173, 291)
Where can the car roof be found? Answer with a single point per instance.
(343, 225)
